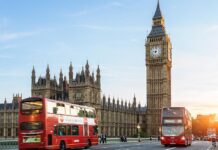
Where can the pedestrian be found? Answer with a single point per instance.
(101, 138)
(150, 138)
(125, 139)
(105, 138)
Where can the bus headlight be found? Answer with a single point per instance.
(183, 138)
(162, 138)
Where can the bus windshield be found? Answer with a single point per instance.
(31, 107)
(173, 112)
(172, 130)
(31, 126)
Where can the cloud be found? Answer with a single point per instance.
(8, 36)
(213, 28)
(15, 35)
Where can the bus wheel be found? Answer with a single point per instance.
(62, 146)
(89, 144)
(165, 145)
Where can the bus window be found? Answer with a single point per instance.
(31, 126)
(68, 130)
(95, 128)
(81, 113)
(60, 108)
(75, 130)
(50, 107)
(31, 106)
(74, 110)
(67, 108)
(55, 130)
(61, 130)
(91, 113)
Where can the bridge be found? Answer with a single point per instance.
(131, 144)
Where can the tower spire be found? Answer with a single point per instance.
(158, 13)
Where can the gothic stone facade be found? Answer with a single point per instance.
(114, 118)
(158, 62)
(9, 118)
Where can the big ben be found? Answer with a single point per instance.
(158, 70)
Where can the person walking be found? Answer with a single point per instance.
(101, 138)
(105, 138)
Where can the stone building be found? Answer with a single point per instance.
(9, 118)
(115, 118)
(158, 64)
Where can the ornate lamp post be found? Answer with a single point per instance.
(138, 127)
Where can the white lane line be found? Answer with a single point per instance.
(209, 147)
(170, 148)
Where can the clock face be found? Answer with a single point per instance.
(155, 52)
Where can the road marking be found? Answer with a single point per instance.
(170, 148)
(209, 148)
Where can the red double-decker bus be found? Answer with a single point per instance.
(51, 124)
(176, 126)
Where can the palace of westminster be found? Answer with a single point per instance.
(115, 116)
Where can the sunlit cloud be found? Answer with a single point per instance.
(213, 28)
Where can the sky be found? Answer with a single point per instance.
(111, 34)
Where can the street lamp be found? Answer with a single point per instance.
(138, 127)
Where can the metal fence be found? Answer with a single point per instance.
(8, 144)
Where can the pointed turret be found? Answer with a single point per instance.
(5, 104)
(158, 13)
(139, 107)
(109, 102)
(118, 104)
(93, 77)
(70, 74)
(114, 103)
(47, 73)
(134, 102)
(125, 105)
(82, 75)
(158, 28)
(98, 77)
(61, 79)
(104, 101)
(33, 77)
(47, 77)
(87, 69)
(55, 80)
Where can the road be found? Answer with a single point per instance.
(154, 145)
(149, 145)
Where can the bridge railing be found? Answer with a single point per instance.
(117, 140)
(8, 144)
(13, 143)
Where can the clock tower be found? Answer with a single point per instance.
(158, 70)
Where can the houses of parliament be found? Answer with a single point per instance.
(115, 116)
